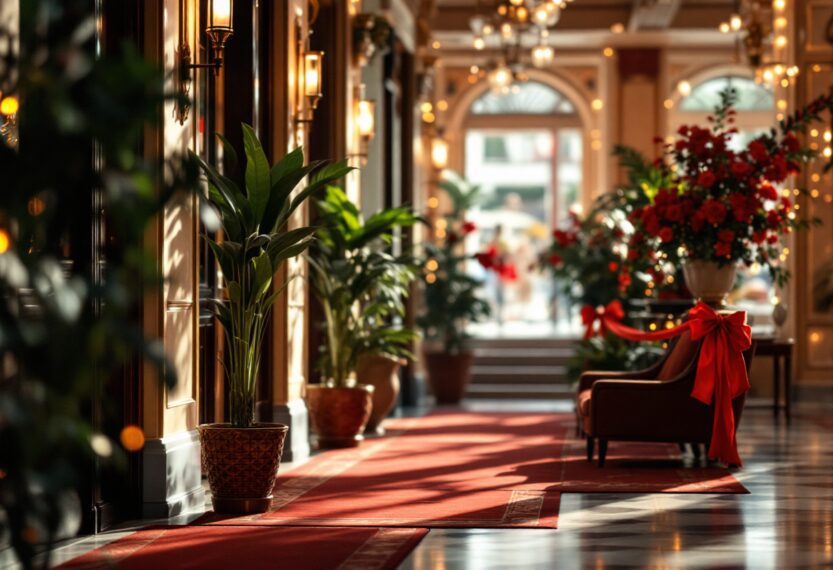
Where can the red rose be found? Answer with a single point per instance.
(706, 179)
(767, 192)
(777, 170)
(674, 213)
(624, 280)
(555, 259)
(714, 211)
(758, 151)
(773, 219)
(666, 235)
(741, 169)
(759, 237)
(726, 235)
(772, 239)
(452, 237)
(488, 259)
(563, 238)
(790, 143)
(633, 255)
(613, 267)
(468, 227)
(740, 210)
(722, 249)
(786, 203)
(698, 220)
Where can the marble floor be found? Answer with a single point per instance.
(785, 522)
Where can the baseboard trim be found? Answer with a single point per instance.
(296, 416)
(172, 475)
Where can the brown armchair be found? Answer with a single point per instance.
(649, 405)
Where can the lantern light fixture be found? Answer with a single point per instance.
(218, 30)
(439, 152)
(310, 75)
(365, 123)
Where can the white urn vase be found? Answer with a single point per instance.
(708, 281)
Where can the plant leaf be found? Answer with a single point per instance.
(258, 184)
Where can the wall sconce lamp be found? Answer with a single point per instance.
(218, 30)
(9, 106)
(365, 123)
(310, 63)
(439, 152)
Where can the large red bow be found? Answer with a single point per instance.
(721, 369)
(612, 312)
(721, 372)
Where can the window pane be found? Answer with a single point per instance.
(706, 95)
(530, 98)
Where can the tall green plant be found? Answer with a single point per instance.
(451, 298)
(361, 287)
(256, 243)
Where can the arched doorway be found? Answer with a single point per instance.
(525, 148)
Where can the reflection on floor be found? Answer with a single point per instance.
(785, 522)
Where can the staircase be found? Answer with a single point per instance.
(519, 368)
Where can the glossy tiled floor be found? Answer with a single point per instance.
(785, 522)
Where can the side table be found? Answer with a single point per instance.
(781, 352)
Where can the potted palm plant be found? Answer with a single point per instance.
(450, 299)
(361, 288)
(242, 457)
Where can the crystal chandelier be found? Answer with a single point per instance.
(761, 38)
(509, 26)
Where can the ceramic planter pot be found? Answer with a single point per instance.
(708, 281)
(448, 375)
(381, 372)
(241, 464)
(339, 415)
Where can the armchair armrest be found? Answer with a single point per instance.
(587, 379)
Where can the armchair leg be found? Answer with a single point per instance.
(602, 451)
(695, 448)
(591, 443)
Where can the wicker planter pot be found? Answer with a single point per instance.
(448, 375)
(339, 415)
(241, 464)
(709, 282)
(381, 372)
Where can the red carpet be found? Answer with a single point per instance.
(447, 470)
(471, 470)
(222, 548)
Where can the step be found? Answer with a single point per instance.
(518, 374)
(539, 343)
(520, 391)
(525, 357)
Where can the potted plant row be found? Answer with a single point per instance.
(241, 458)
(361, 288)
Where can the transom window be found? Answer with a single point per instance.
(706, 95)
(529, 98)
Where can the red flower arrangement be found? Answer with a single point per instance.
(721, 205)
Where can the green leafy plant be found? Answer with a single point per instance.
(451, 298)
(361, 287)
(256, 243)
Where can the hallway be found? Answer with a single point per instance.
(784, 522)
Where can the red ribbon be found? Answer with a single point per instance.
(721, 370)
(590, 315)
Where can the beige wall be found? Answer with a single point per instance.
(172, 313)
